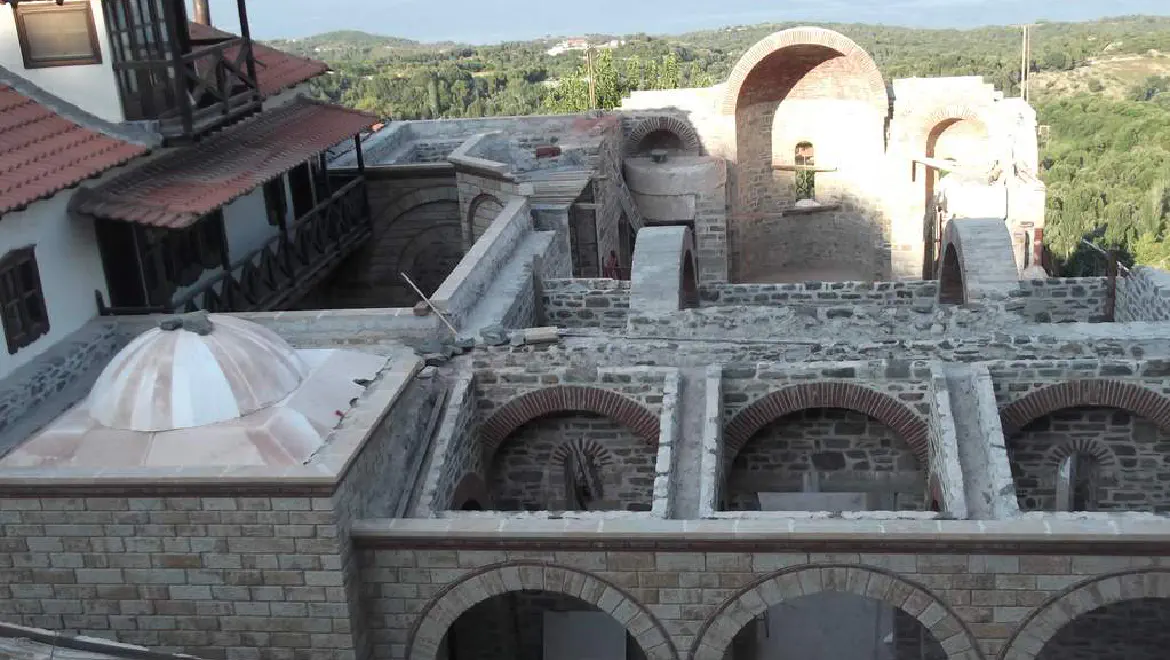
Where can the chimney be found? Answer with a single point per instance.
(202, 12)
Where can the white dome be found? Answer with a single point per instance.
(169, 379)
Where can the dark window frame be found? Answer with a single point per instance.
(78, 6)
(276, 201)
(22, 299)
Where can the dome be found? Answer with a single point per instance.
(192, 371)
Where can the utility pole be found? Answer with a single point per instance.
(1025, 60)
(592, 77)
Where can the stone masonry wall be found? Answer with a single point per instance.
(922, 294)
(496, 387)
(527, 473)
(1064, 300)
(589, 303)
(1132, 472)
(456, 451)
(832, 442)
(1132, 630)
(988, 595)
(1144, 295)
(837, 238)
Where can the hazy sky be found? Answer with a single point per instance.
(489, 21)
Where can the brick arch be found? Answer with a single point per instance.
(589, 447)
(398, 208)
(1095, 393)
(1091, 447)
(471, 487)
(1046, 621)
(949, 114)
(679, 128)
(805, 36)
(983, 265)
(718, 631)
(431, 625)
(566, 398)
(882, 407)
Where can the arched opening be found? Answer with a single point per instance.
(660, 139)
(690, 282)
(806, 87)
(825, 459)
(471, 505)
(806, 176)
(951, 290)
(1089, 458)
(833, 625)
(963, 143)
(575, 461)
(1137, 629)
(482, 213)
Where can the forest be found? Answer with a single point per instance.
(1106, 161)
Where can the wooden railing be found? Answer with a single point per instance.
(286, 268)
(196, 92)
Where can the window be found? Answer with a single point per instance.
(275, 202)
(1076, 483)
(173, 258)
(52, 34)
(300, 179)
(805, 174)
(22, 302)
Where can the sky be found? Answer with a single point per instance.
(492, 21)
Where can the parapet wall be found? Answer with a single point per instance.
(1143, 295)
(586, 303)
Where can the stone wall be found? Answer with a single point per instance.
(1143, 295)
(455, 453)
(923, 294)
(495, 388)
(1064, 300)
(1129, 454)
(964, 600)
(1132, 630)
(586, 303)
(851, 452)
(482, 197)
(528, 472)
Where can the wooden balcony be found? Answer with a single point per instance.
(194, 93)
(277, 275)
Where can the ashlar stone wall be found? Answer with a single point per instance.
(1064, 300)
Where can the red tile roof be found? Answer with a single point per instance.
(42, 153)
(179, 188)
(276, 70)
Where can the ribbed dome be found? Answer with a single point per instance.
(205, 369)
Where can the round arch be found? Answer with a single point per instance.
(806, 36)
(566, 398)
(1046, 621)
(482, 211)
(983, 262)
(1096, 393)
(882, 407)
(944, 116)
(398, 208)
(718, 631)
(431, 625)
(686, 134)
(951, 290)
(471, 488)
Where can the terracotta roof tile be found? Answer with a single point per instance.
(185, 185)
(276, 70)
(42, 153)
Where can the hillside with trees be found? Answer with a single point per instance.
(1103, 88)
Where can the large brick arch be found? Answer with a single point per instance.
(1046, 621)
(566, 398)
(686, 133)
(724, 624)
(416, 198)
(1096, 393)
(882, 407)
(431, 625)
(806, 36)
(942, 116)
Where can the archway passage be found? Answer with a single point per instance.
(833, 612)
(482, 212)
(1136, 629)
(1120, 616)
(573, 461)
(962, 140)
(825, 459)
(950, 279)
(521, 594)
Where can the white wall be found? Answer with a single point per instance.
(92, 87)
(70, 266)
(246, 225)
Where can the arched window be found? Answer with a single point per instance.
(805, 173)
(1076, 483)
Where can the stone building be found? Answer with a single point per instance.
(624, 425)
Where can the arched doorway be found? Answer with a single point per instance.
(962, 141)
(833, 612)
(523, 609)
(481, 213)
